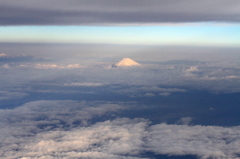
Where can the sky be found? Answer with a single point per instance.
(204, 23)
(62, 96)
(186, 34)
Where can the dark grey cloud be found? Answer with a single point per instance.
(104, 12)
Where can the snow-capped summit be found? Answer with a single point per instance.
(126, 62)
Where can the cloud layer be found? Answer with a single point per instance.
(4, 95)
(61, 129)
(103, 12)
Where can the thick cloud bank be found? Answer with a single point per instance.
(204, 141)
(103, 12)
(109, 139)
(62, 129)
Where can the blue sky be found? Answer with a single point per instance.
(199, 34)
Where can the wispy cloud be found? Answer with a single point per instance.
(149, 91)
(85, 84)
(4, 95)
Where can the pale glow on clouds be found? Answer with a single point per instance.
(3, 55)
(52, 66)
(191, 69)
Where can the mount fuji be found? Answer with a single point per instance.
(126, 62)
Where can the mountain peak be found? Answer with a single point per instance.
(126, 62)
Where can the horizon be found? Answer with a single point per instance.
(67, 91)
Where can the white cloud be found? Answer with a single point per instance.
(109, 139)
(11, 95)
(192, 68)
(61, 129)
(149, 95)
(164, 94)
(232, 77)
(40, 116)
(204, 141)
(190, 72)
(220, 78)
(138, 81)
(159, 89)
(149, 91)
(185, 120)
(67, 111)
(73, 66)
(125, 138)
(6, 66)
(45, 66)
